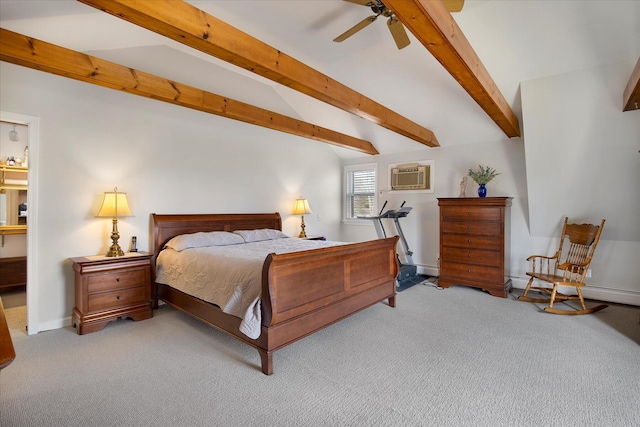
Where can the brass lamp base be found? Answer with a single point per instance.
(303, 234)
(115, 249)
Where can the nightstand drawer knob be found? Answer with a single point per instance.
(118, 297)
(117, 279)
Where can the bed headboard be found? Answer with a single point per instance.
(164, 227)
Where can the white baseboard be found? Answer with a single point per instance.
(590, 292)
(54, 324)
(428, 270)
(594, 292)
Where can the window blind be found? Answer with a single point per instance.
(361, 193)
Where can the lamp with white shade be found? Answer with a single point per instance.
(114, 205)
(301, 207)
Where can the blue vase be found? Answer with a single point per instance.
(482, 190)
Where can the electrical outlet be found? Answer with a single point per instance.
(589, 273)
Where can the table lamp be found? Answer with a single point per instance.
(301, 207)
(114, 205)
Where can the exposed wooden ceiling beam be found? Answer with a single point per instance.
(39, 55)
(435, 28)
(193, 27)
(631, 94)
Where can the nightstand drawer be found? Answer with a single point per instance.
(471, 256)
(114, 299)
(470, 213)
(475, 228)
(115, 280)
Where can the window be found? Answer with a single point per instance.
(360, 191)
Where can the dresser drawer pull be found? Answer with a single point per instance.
(469, 241)
(469, 213)
(468, 255)
(469, 227)
(117, 279)
(118, 297)
(469, 271)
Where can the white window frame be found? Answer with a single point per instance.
(345, 211)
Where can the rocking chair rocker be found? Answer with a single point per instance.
(569, 269)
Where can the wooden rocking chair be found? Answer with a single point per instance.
(569, 270)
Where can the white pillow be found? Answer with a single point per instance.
(203, 239)
(259, 235)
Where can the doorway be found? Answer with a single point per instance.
(21, 131)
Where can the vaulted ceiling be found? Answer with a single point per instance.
(450, 94)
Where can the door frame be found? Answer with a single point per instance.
(33, 125)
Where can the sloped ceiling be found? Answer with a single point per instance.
(515, 40)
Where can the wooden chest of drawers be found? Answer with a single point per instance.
(474, 243)
(108, 288)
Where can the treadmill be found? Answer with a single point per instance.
(408, 273)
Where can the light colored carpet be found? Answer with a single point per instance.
(453, 357)
(15, 310)
(17, 318)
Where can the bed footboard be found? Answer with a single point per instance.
(309, 290)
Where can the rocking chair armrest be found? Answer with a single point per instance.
(532, 257)
(575, 267)
(545, 263)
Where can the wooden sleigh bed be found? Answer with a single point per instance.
(302, 292)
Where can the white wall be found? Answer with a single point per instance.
(583, 161)
(578, 157)
(168, 159)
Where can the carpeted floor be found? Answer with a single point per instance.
(15, 309)
(453, 357)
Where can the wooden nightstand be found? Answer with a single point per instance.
(108, 288)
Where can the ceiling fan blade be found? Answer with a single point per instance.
(398, 32)
(451, 5)
(351, 31)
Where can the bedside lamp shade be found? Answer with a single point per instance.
(301, 207)
(114, 205)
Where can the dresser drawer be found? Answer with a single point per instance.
(476, 273)
(472, 242)
(471, 256)
(115, 280)
(472, 228)
(119, 298)
(470, 213)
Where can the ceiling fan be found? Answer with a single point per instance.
(395, 26)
